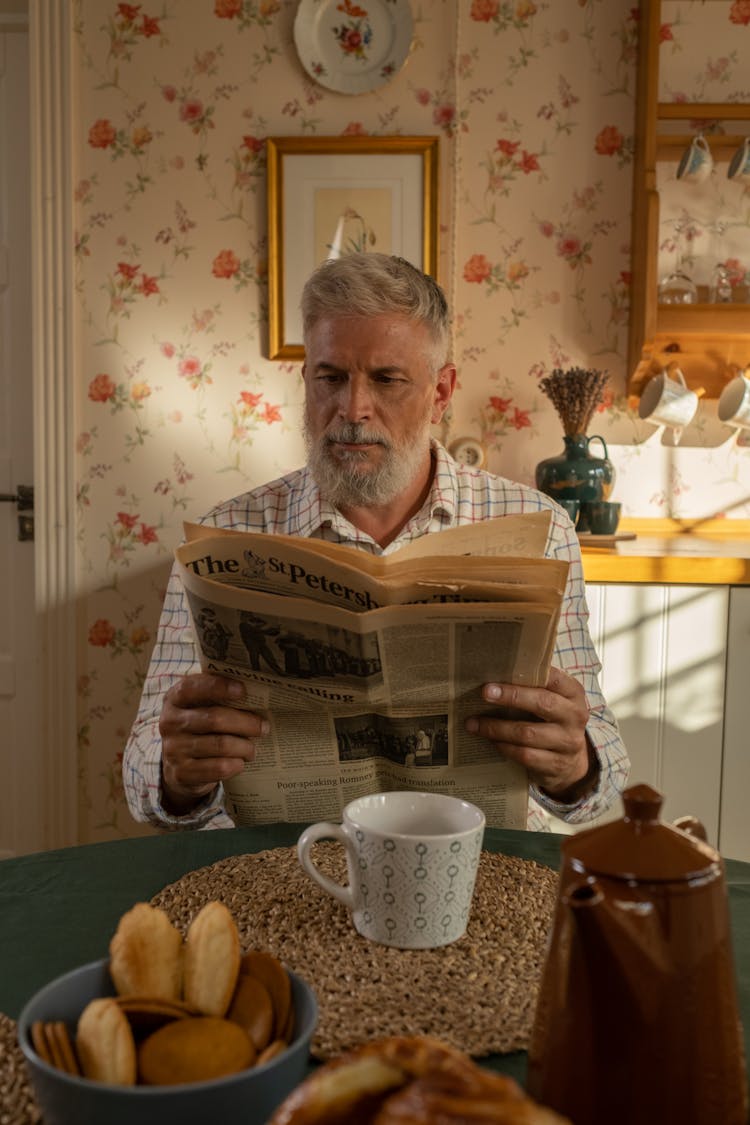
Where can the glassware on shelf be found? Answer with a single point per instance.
(677, 289)
(720, 289)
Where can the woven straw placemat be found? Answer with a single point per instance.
(478, 994)
(17, 1103)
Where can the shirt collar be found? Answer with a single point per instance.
(310, 513)
(443, 498)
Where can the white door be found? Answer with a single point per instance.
(20, 791)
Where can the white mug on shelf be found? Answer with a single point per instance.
(412, 860)
(734, 402)
(668, 401)
(739, 165)
(696, 163)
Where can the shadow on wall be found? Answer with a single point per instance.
(686, 792)
(120, 625)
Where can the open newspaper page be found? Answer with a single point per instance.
(367, 673)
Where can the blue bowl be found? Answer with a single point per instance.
(249, 1098)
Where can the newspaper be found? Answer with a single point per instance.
(368, 666)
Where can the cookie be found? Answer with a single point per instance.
(145, 954)
(211, 960)
(105, 1044)
(62, 1047)
(272, 974)
(252, 1009)
(39, 1042)
(147, 1013)
(271, 1051)
(194, 1050)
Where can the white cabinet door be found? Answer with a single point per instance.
(662, 650)
(734, 834)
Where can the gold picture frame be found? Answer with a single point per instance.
(340, 194)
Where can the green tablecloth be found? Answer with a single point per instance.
(59, 909)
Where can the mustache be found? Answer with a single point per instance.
(355, 433)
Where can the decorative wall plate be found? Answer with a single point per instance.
(353, 46)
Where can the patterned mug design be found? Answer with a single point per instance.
(406, 889)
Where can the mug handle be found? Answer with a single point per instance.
(598, 437)
(325, 831)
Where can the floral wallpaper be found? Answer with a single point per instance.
(177, 404)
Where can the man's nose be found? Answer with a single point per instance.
(355, 403)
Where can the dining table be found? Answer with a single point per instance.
(59, 909)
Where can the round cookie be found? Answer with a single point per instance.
(194, 1050)
(252, 1009)
(271, 973)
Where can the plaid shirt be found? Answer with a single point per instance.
(292, 505)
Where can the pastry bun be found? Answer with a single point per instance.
(403, 1080)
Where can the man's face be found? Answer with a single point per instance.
(372, 391)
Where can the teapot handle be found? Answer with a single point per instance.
(598, 437)
(692, 826)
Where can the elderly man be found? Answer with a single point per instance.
(377, 377)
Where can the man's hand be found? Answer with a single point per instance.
(555, 750)
(204, 739)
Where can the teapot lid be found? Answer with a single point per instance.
(640, 846)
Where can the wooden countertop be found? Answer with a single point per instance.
(688, 552)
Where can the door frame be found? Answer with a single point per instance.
(53, 364)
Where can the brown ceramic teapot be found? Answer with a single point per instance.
(637, 1020)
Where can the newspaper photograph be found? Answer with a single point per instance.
(367, 667)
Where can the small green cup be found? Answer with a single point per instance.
(602, 517)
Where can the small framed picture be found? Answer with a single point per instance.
(330, 196)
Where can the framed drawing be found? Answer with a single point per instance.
(329, 196)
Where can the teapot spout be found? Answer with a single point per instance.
(622, 941)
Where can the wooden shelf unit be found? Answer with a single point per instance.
(710, 342)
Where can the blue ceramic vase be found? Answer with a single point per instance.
(576, 474)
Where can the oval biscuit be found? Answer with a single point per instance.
(145, 954)
(211, 960)
(105, 1044)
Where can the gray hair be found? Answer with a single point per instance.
(373, 284)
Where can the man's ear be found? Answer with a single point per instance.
(444, 388)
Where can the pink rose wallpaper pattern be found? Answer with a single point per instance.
(177, 404)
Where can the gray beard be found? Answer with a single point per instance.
(352, 483)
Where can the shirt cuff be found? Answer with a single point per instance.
(208, 813)
(563, 809)
(557, 808)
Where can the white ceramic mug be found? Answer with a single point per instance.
(668, 402)
(412, 860)
(734, 402)
(739, 165)
(696, 163)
